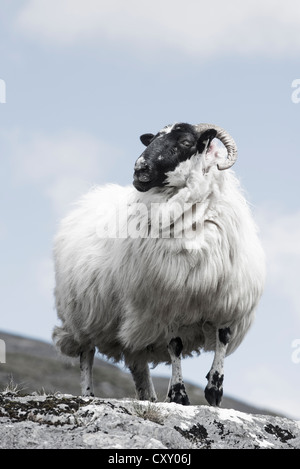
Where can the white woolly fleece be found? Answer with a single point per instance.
(129, 295)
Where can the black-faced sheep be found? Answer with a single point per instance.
(155, 272)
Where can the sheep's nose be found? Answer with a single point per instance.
(141, 164)
(142, 170)
(143, 177)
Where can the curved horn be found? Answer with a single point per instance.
(227, 141)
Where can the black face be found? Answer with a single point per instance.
(165, 151)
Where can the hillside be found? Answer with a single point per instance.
(34, 366)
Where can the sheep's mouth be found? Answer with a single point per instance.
(142, 181)
(141, 186)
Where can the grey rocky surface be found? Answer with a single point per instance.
(63, 421)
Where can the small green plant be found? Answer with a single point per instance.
(148, 412)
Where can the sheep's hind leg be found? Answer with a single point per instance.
(86, 372)
(176, 391)
(215, 377)
(143, 382)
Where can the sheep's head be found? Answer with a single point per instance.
(173, 145)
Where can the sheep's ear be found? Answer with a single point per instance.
(146, 139)
(205, 139)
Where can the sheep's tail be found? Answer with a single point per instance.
(65, 343)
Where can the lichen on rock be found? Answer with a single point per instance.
(66, 421)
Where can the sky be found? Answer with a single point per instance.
(81, 80)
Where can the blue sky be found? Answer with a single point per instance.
(85, 78)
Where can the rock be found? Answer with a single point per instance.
(68, 422)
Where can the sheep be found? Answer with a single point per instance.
(163, 269)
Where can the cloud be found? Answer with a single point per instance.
(62, 166)
(202, 29)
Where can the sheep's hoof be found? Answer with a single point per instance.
(213, 395)
(178, 394)
(214, 389)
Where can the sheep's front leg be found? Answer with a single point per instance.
(143, 382)
(86, 372)
(177, 392)
(215, 377)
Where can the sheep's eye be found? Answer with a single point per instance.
(186, 143)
